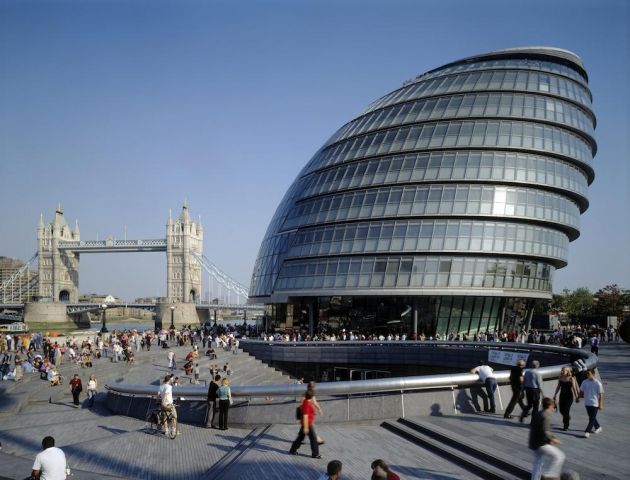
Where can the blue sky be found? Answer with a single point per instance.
(123, 109)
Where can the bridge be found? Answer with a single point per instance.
(51, 275)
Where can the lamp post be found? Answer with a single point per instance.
(172, 318)
(104, 327)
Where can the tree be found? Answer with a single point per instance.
(610, 301)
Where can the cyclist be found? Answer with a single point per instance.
(168, 408)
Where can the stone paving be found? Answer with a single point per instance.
(101, 445)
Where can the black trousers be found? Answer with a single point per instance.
(75, 396)
(224, 407)
(517, 397)
(312, 436)
(212, 413)
(533, 401)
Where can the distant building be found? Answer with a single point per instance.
(445, 207)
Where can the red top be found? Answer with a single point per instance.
(392, 476)
(307, 409)
(75, 383)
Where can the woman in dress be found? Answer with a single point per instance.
(567, 386)
(225, 398)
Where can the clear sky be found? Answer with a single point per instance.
(122, 109)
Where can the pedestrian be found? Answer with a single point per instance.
(171, 360)
(567, 386)
(50, 463)
(318, 409)
(548, 458)
(593, 392)
(516, 384)
(307, 427)
(486, 375)
(212, 400)
(76, 388)
(225, 400)
(196, 372)
(333, 471)
(533, 385)
(380, 470)
(594, 341)
(91, 389)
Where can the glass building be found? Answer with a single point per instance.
(445, 207)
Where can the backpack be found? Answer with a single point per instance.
(298, 413)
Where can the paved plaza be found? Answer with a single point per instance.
(101, 445)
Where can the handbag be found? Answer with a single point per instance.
(231, 401)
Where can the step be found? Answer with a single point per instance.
(469, 462)
(456, 441)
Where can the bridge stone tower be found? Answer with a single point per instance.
(183, 271)
(58, 269)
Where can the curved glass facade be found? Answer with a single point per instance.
(446, 205)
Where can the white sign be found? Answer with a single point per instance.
(506, 358)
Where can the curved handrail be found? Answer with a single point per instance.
(587, 360)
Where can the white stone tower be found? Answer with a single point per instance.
(183, 272)
(58, 269)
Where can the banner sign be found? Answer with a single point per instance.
(506, 358)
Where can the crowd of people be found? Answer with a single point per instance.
(527, 391)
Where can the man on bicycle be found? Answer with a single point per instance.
(168, 408)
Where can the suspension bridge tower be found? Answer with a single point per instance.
(58, 269)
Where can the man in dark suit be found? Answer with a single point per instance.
(212, 400)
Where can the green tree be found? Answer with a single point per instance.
(580, 302)
(610, 301)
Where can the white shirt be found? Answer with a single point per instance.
(166, 393)
(591, 389)
(484, 371)
(52, 464)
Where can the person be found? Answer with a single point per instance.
(594, 341)
(533, 385)
(333, 471)
(516, 384)
(593, 393)
(196, 373)
(225, 398)
(567, 386)
(171, 360)
(380, 470)
(92, 386)
(307, 427)
(318, 409)
(76, 387)
(166, 396)
(548, 458)
(212, 400)
(486, 375)
(50, 463)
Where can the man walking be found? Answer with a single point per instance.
(212, 400)
(516, 384)
(548, 458)
(533, 385)
(76, 387)
(593, 393)
(307, 427)
(486, 375)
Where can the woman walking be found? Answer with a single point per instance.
(225, 398)
(92, 386)
(567, 386)
(76, 388)
(318, 409)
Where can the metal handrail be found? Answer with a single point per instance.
(396, 384)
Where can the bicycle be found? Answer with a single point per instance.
(157, 417)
